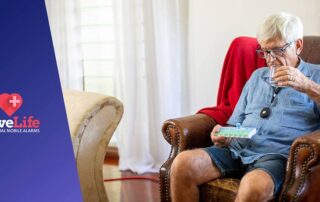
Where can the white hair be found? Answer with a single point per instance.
(281, 26)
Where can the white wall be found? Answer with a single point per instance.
(212, 26)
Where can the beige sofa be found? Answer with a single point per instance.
(92, 120)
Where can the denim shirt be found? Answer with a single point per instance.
(292, 115)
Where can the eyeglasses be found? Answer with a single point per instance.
(275, 53)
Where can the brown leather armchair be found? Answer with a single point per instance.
(303, 166)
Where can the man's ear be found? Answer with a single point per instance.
(299, 46)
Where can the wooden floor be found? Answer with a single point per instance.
(129, 190)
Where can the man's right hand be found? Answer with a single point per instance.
(219, 141)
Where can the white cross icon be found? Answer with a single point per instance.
(14, 101)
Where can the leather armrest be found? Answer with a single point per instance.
(304, 155)
(189, 132)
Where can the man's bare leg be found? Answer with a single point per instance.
(188, 170)
(256, 185)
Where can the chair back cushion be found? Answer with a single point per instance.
(311, 49)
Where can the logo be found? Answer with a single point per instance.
(10, 104)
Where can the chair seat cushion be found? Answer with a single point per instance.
(224, 189)
(221, 190)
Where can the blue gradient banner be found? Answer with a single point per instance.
(36, 157)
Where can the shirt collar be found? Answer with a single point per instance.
(302, 67)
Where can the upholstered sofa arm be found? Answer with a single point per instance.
(92, 119)
(303, 165)
(183, 133)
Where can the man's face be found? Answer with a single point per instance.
(282, 53)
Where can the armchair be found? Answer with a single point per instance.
(303, 165)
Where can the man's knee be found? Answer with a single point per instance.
(256, 185)
(195, 166)
(182, 166)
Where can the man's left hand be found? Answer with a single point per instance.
(287, 76)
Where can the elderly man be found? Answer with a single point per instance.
(280, 111)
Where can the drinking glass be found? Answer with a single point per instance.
(273, 70)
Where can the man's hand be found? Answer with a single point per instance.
(219, 140)
(292, 77)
